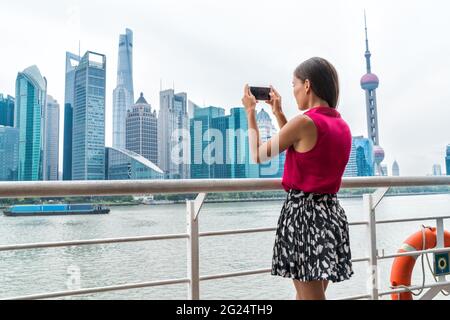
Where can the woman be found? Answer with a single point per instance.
(312, 240)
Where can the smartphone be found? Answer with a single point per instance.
(260, 93)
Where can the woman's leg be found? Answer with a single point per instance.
(313, 290)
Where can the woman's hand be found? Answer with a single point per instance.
(275, 101)
(249, 100)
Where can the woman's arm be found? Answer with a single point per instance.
(281, 119)
(289, 134)
(275, 103)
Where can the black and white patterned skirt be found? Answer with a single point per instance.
(312, 239)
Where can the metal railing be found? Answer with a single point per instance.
(203, 187)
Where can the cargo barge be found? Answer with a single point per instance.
(55, 210)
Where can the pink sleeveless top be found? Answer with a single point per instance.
(321, 169)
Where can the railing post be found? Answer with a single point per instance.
(440, 240)
(193, 256)
(372, 283)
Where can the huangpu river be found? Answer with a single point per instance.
(36, 271)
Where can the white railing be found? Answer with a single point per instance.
(202, 187)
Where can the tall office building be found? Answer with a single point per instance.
(206, 143)
(447, 161)
(123, 95)
(437, 170)
(173, 135)
(361, 163)
(275, 167)
(29, 117)
(141, 130)
(72, 62)
(219, 145)
(242, 165)
(9, 153)
(395, 169)
(52, 139)
(7, 111)
(88, 141)
(370, 83)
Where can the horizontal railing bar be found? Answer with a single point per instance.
(256, 230)
(231, 232)
(358, 223)
(90, 242)
(413, 253)
(412, 219)
(252, 272)
(30, 189)
(360, 260)
(234, 274)
(365, 296)
(100, 289)
(413, 288)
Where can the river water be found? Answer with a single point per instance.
(58, 269)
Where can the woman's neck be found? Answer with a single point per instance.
(315, 103)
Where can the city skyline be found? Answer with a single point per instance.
(400, 97)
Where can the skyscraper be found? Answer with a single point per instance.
(88, 141)
(361, 160)
(123, 95)
(369, 83)
(447, 161)
(9, 153)
(395, 169)
(52, 139)
(7, 111)
(141, 130)
(437, 170)
(239, 147)
(206, 151)
(31, 94)
(72, 62)
(173, 132)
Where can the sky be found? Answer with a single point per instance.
(211, 49)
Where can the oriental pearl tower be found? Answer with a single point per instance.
(369, 83)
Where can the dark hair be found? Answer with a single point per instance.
(323, 78)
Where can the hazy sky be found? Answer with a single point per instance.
(210, 49)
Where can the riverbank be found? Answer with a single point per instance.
(181, 201)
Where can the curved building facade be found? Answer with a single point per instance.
(122, 164)
(31, 94)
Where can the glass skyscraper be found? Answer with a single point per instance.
(123, 95)
(219, 145)
(9, 153)
(203, 159)
(72, 61)
(52, 139)
(241, 164)
(173, 117)
(88, 141)
(6, 111)
(361, 162)
(31, 94)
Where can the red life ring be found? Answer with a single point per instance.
(402, 267)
